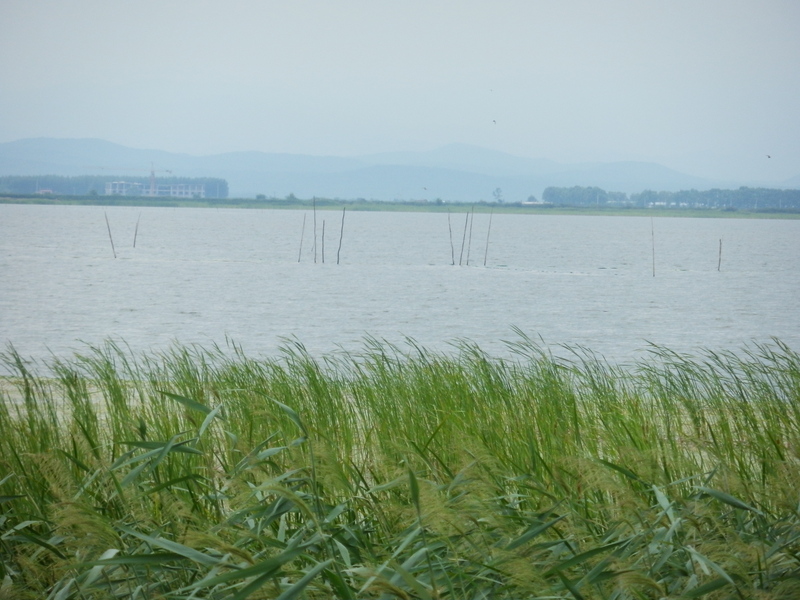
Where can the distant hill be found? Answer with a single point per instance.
(794, 182)
(456, 172)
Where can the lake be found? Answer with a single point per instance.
(210, 275)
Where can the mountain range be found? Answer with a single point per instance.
(455, 172)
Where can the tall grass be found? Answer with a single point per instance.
(398, 472)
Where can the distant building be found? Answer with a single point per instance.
(174, 190)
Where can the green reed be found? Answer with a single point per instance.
(399, 472)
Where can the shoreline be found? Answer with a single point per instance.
(397, 206)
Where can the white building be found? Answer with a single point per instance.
(174, 190)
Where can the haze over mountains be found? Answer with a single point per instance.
(455, 172)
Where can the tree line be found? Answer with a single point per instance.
(744, 198)
(90, 185)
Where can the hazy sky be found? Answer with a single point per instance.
(709, 87)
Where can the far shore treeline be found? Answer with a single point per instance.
(744, 198)
(90, 190)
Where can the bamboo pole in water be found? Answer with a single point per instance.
(109, 236)
(136, 231)
(488, 231)
(341, 235)
(323, 241)
(314, 205)
(471, 223)
(452, 250)
(302, 233)
(719, 260)
(463, 240)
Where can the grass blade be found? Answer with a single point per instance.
(170, 546)
(728, 499)
(188, 402)
(532, 533)
(301, 584)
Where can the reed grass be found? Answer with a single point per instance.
(399, 472)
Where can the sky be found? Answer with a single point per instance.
(707, 87)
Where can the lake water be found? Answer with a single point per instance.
(208, 275)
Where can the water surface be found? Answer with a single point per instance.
(207, 275)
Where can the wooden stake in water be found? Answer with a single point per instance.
(136, 231)
(463, 240)
(323, 241)
(452, 250)
(719, 260)
(302, 233)
(471, 223)
(341, 235)
(488, 231)
(109, 236)
(653, 240)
